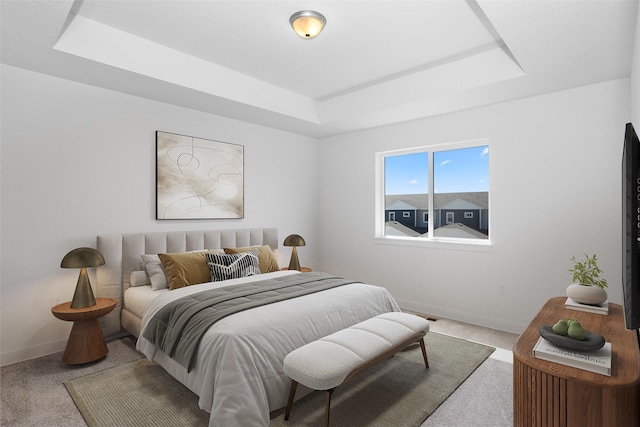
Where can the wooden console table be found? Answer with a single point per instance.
(552, 394)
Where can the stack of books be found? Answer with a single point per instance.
(598, 309)
(598, 361)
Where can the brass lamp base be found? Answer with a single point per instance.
(83, 295)
(294, 264)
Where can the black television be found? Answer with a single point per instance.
(631, 228)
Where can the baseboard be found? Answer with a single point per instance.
(11, 357)
(487, 322)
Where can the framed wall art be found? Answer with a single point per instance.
(198, 178)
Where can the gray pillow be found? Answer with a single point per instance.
(153, 267)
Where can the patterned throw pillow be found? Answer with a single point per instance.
(233, 266)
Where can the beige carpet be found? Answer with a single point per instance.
(398, 392)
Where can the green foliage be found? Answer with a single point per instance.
(587, 272)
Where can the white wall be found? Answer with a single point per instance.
(554, 193)
(635, 77)
(78, 161)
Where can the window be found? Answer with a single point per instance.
(448, 183)
(406, 214)
(392, 216)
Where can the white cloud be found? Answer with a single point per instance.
(413, 182)
(485, 151)
(445, 162)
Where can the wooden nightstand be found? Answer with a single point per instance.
(86, 342)
(302, 269)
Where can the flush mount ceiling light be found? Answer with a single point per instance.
(307, 23)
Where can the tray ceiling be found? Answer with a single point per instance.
(375, 63)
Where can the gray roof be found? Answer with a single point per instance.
(421, 201)
(394, 228)
(458, 230)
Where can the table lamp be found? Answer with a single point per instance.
(294, 240)
(82, 258)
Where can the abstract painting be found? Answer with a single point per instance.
(198, 178)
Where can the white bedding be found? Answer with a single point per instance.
(138, 299)
(238, 374)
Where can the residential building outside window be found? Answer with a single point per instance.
(448, 183)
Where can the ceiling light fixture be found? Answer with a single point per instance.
(307, 23)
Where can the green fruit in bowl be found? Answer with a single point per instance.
(560, 328)
(576, 331)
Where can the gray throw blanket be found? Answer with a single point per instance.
(178, 327)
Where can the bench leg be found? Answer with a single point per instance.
(292, 394)
(326, 415)
(424, 353)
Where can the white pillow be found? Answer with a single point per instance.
(153, 267)
(139, 278)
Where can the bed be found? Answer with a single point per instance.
(238, 370)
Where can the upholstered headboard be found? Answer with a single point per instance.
(122, 256)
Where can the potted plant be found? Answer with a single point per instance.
(587, 287)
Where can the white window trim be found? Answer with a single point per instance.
(450, 217)
(468, 215)
(479, 245)
(406, 214)
(437, 243)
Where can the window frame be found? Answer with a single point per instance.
(450, 217)
(484, 245)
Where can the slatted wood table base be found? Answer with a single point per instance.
(86, 342)
(547, 394)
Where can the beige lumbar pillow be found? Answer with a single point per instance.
(266, 258)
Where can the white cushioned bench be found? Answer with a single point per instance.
(331, 361)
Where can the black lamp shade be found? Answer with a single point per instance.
(294, 240)
(82, 257)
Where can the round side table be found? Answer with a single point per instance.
(86, 342)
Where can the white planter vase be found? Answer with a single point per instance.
(587, 294)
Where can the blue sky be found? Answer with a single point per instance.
(460, 170)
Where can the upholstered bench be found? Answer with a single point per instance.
(337, 358)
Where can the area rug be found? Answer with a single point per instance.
(398, 392)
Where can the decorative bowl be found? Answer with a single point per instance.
(591, 343)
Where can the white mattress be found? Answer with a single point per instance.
(137, 299)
